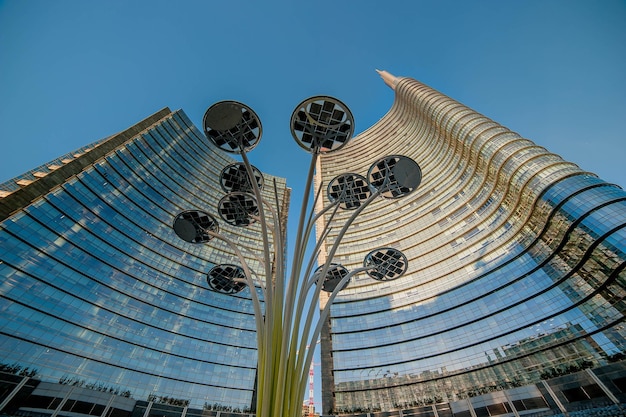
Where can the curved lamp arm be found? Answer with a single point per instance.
(258, 314)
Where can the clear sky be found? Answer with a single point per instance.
(75, 71)
(72, 72)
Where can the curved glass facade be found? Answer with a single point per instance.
(98, 291)
(516, 264)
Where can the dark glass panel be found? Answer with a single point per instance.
(594, 391)
(533, 403)
(497, 409)
(620, 383)
(481, 412)
(116, 412)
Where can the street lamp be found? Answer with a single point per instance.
(285, 328)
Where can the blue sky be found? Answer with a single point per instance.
(72, 72)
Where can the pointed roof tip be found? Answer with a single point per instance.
(389, 79)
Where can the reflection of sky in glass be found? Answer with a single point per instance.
(94, 274)
(501, 276)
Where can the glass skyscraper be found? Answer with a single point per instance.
(513, 301)
(516, 265)
(99, 296)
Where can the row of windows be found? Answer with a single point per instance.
(531, 308)
(522, 277)
(96, 276)
(354, 308)
(105, 281)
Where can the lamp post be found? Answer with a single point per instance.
(284, 317)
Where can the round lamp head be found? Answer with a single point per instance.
(226, 279)
(322, 124)
(192, 226)
(387, 264)
(234, 177)
(333, 277)
(237, 208)
(350, 190)
(232, 126)
(395, 176)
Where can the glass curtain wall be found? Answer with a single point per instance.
(516, 264)
(98, 291)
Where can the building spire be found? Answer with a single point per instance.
(389, 79)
